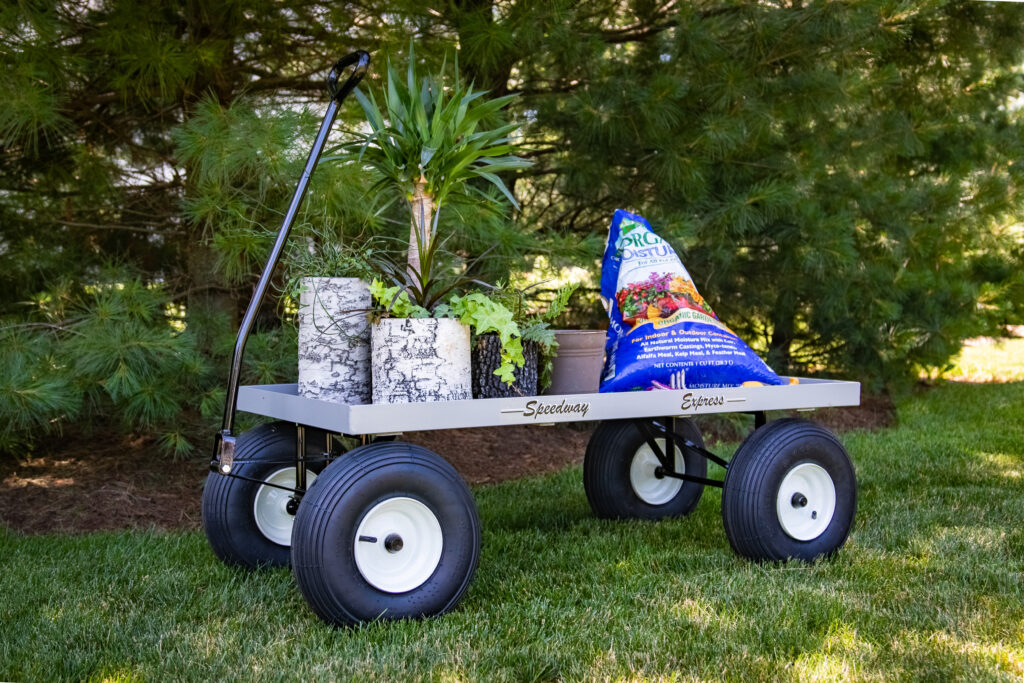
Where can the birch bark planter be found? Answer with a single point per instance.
(420, 359)
(334, 340)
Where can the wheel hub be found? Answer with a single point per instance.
(806, 501)
(398, 545)
(647, 476)
(274, 509)
(393, 543)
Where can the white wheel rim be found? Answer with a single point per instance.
(398, 545)
(806, 501)
(648, 487)
(270, 507)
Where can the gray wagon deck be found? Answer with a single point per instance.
(281, 401)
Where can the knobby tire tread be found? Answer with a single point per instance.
(321, 503)
(746, 479)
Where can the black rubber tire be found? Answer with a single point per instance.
(752, 485)
(323, 539)
(606, 473)
(227, 509)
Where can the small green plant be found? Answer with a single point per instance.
(501, 311)
(429, 291)
(425, 286)
(479, 311)
(320, 257)
(485, 314)
(536, 327)
(332, 260)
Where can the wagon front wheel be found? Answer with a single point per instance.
(248, 522)
(790, 492)
(390, 533)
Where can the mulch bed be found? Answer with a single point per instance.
(81, 483)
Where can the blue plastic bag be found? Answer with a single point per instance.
(661, 332)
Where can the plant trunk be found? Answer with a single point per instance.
(422, 211)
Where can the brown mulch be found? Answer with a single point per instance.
(873, 413)
(99, 482)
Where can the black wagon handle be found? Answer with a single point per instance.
(224, 445)
(360, 60)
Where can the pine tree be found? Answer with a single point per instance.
(835, 174)
(840, 177)
(96, 167)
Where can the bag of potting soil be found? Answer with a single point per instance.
(662, 334)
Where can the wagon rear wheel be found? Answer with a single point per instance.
(790, 492)
(623, 477)
(391, 532)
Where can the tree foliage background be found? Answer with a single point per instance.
(840, 177)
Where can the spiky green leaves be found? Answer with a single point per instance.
(449, 136)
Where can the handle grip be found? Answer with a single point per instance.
(360, 61)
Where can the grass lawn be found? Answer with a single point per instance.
(930, 586)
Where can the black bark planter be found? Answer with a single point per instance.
(487, 358)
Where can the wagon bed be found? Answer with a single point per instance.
(389, 529)
(281, 401)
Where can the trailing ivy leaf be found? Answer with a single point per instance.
(486, 315)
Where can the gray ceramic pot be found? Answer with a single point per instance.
(576, 369)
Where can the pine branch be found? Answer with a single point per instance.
(644, 30)
(114, 226)
(561, 88)
(639, 34)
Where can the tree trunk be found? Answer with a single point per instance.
(783, 332)
(422, 212)
(209, 293)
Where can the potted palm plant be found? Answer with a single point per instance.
(419, 352)
(426, 143)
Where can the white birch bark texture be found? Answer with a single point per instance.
(420, 359)
(334, 340)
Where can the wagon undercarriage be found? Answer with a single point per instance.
(377, 528)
